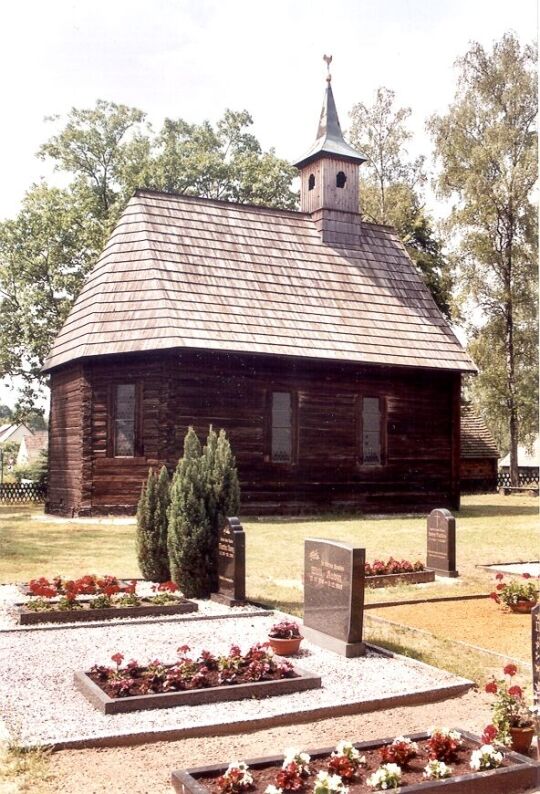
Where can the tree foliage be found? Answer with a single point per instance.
(152, 527)
(391, 187)
(189, 527)
(487, 148)
(106, 152)
(222, 490)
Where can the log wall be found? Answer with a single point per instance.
(420, 471)
(478, 475)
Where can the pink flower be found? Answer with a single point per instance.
(510, 670)
(499, 576)
(526, 575)
(183, 649)
(118, 658)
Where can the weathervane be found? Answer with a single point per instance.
(328, 60)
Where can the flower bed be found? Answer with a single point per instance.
(384, 574)
(518, 596)
(372, 766)
(97, 598)
(190, 681)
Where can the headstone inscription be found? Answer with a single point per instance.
(441, 543)
(231, 564)
(334, 595)
(535, 616)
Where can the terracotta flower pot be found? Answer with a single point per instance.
(285, 647)
(521, 739)
(523, 606)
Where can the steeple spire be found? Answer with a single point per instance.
(330, 140)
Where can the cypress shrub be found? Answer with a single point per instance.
(189, 529)
(152, 552)
(222, 492)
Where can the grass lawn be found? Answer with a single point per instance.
(490, 528)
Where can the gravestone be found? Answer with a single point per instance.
(441, 543)
(231, 564)
(535, 616)
(334, 574)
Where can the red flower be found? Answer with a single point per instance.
(118, 658)
(510, 670)
(491, 687)
(499, 576)
(526, 575)
(490, 732)
(183, 649)
(515, 691)
(500, 586)
(495, 597)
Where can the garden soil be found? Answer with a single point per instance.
(146, 769)
(481, 622)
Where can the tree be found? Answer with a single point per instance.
(391, 188)
(487, 148)
(152, 527)
(189, 527)
(222, 491)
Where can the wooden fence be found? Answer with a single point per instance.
(12, 493)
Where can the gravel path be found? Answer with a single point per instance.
(40, 704)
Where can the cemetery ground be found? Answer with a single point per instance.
(490, 529)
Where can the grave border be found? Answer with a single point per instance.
(523, 772)
(27, 617)
(304, 680)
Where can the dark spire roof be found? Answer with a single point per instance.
(330, 139)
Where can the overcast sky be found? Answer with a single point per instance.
(194, 58)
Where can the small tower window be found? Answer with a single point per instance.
(341, 178)
(311, 182)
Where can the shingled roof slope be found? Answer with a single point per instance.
(184, 272)
(476, 438)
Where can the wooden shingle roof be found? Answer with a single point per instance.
(184, 272)
(476, 438)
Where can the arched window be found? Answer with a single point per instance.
(311, 182)
(341, 179)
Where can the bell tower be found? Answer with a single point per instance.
(329, 176)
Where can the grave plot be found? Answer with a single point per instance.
(41, 704)
(403, 761)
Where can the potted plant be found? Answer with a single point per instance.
(513, 720)
(285, 637)
(518, 595)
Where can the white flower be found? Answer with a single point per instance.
(486, 757)
(452, 734)
(329, 784)
(292, 755)
(436, 770)
(385, 777)
(405, 740)
(349, 751)
(246, 779)
(273, 790)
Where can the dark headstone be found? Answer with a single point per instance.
(441, 543)
(334, 595)
(231, 564)
(535, 616)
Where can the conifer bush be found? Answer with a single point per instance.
(152, 527)
(189, 525)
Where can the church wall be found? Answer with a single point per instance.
(231, 391)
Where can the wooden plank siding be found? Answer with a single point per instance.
(231, 391)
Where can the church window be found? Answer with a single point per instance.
(341, 178)
(311, 182)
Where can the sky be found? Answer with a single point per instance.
(195, 58)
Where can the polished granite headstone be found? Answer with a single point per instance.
(535, 616)
(334, 578)
(441, 543)
(231, 564)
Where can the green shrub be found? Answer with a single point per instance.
(152, 527)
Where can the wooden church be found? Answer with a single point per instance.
(308, 336)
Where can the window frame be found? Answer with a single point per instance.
(137, 419)
(268, 428)
(383, 442)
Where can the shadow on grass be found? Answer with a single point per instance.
(292, 607)
(496, 511)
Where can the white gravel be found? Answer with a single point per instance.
(41, 706)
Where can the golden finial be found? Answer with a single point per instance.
(328, 60)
